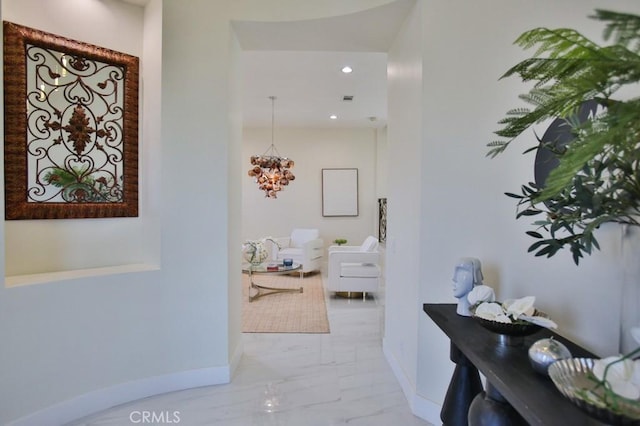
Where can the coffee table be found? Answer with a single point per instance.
(262, 290)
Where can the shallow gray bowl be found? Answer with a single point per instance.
(574, 380)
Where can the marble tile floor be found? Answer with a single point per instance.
(341, 378)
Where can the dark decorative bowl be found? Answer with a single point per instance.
(573, 378)
(518, 328)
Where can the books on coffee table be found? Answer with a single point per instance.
(274, 266)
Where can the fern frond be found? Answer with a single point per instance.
(519, 111)
(548, 106)
(623, 28)
(496, 148)
(562, 42)
(537, 96)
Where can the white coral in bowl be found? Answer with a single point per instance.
(492, 312)
(481, 293)
(518, 307)
(622, 375)
(513, 310)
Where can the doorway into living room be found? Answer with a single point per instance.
(323, 117)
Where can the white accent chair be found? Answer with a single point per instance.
(304, 246)
(354, 268)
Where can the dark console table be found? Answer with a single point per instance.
(510, 377)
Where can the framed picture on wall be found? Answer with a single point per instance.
(339, 192)
(71, 128)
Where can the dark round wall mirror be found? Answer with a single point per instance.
(558, 135)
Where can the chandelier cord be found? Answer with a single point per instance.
(273, 152)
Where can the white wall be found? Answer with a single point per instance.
(405, 205)
(68, 332)
(234, 224)
(59, 245)
(382, 163)
(463, 212)
(81, 344)
(300, 203)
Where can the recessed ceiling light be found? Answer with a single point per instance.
(347, 69)
(333, 117)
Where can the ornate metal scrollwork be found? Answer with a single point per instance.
(73, 151)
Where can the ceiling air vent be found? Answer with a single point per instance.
(347, 98)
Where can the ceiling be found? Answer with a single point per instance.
(300, 62)
(309, 87)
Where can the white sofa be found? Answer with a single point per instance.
(304, 246)
(354, 268)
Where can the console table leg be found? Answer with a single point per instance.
(464, 386)
(490, 408)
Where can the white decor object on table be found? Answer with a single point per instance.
(512, 311)
(481, 293)
(255, 251)
(545, 352)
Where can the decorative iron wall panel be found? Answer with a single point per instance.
(71, 128)
(382, 219)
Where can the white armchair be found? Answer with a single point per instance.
(354, 268)
(304, 246)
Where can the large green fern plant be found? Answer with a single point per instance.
(598, 177)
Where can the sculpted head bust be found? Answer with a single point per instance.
(467, 274)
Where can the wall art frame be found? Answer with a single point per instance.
(339, 192)
(70, 128)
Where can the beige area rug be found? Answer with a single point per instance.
(290, 312)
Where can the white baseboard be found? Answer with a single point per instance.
(426, 409)
(420, 406)
(235, 358)
(102, 399)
